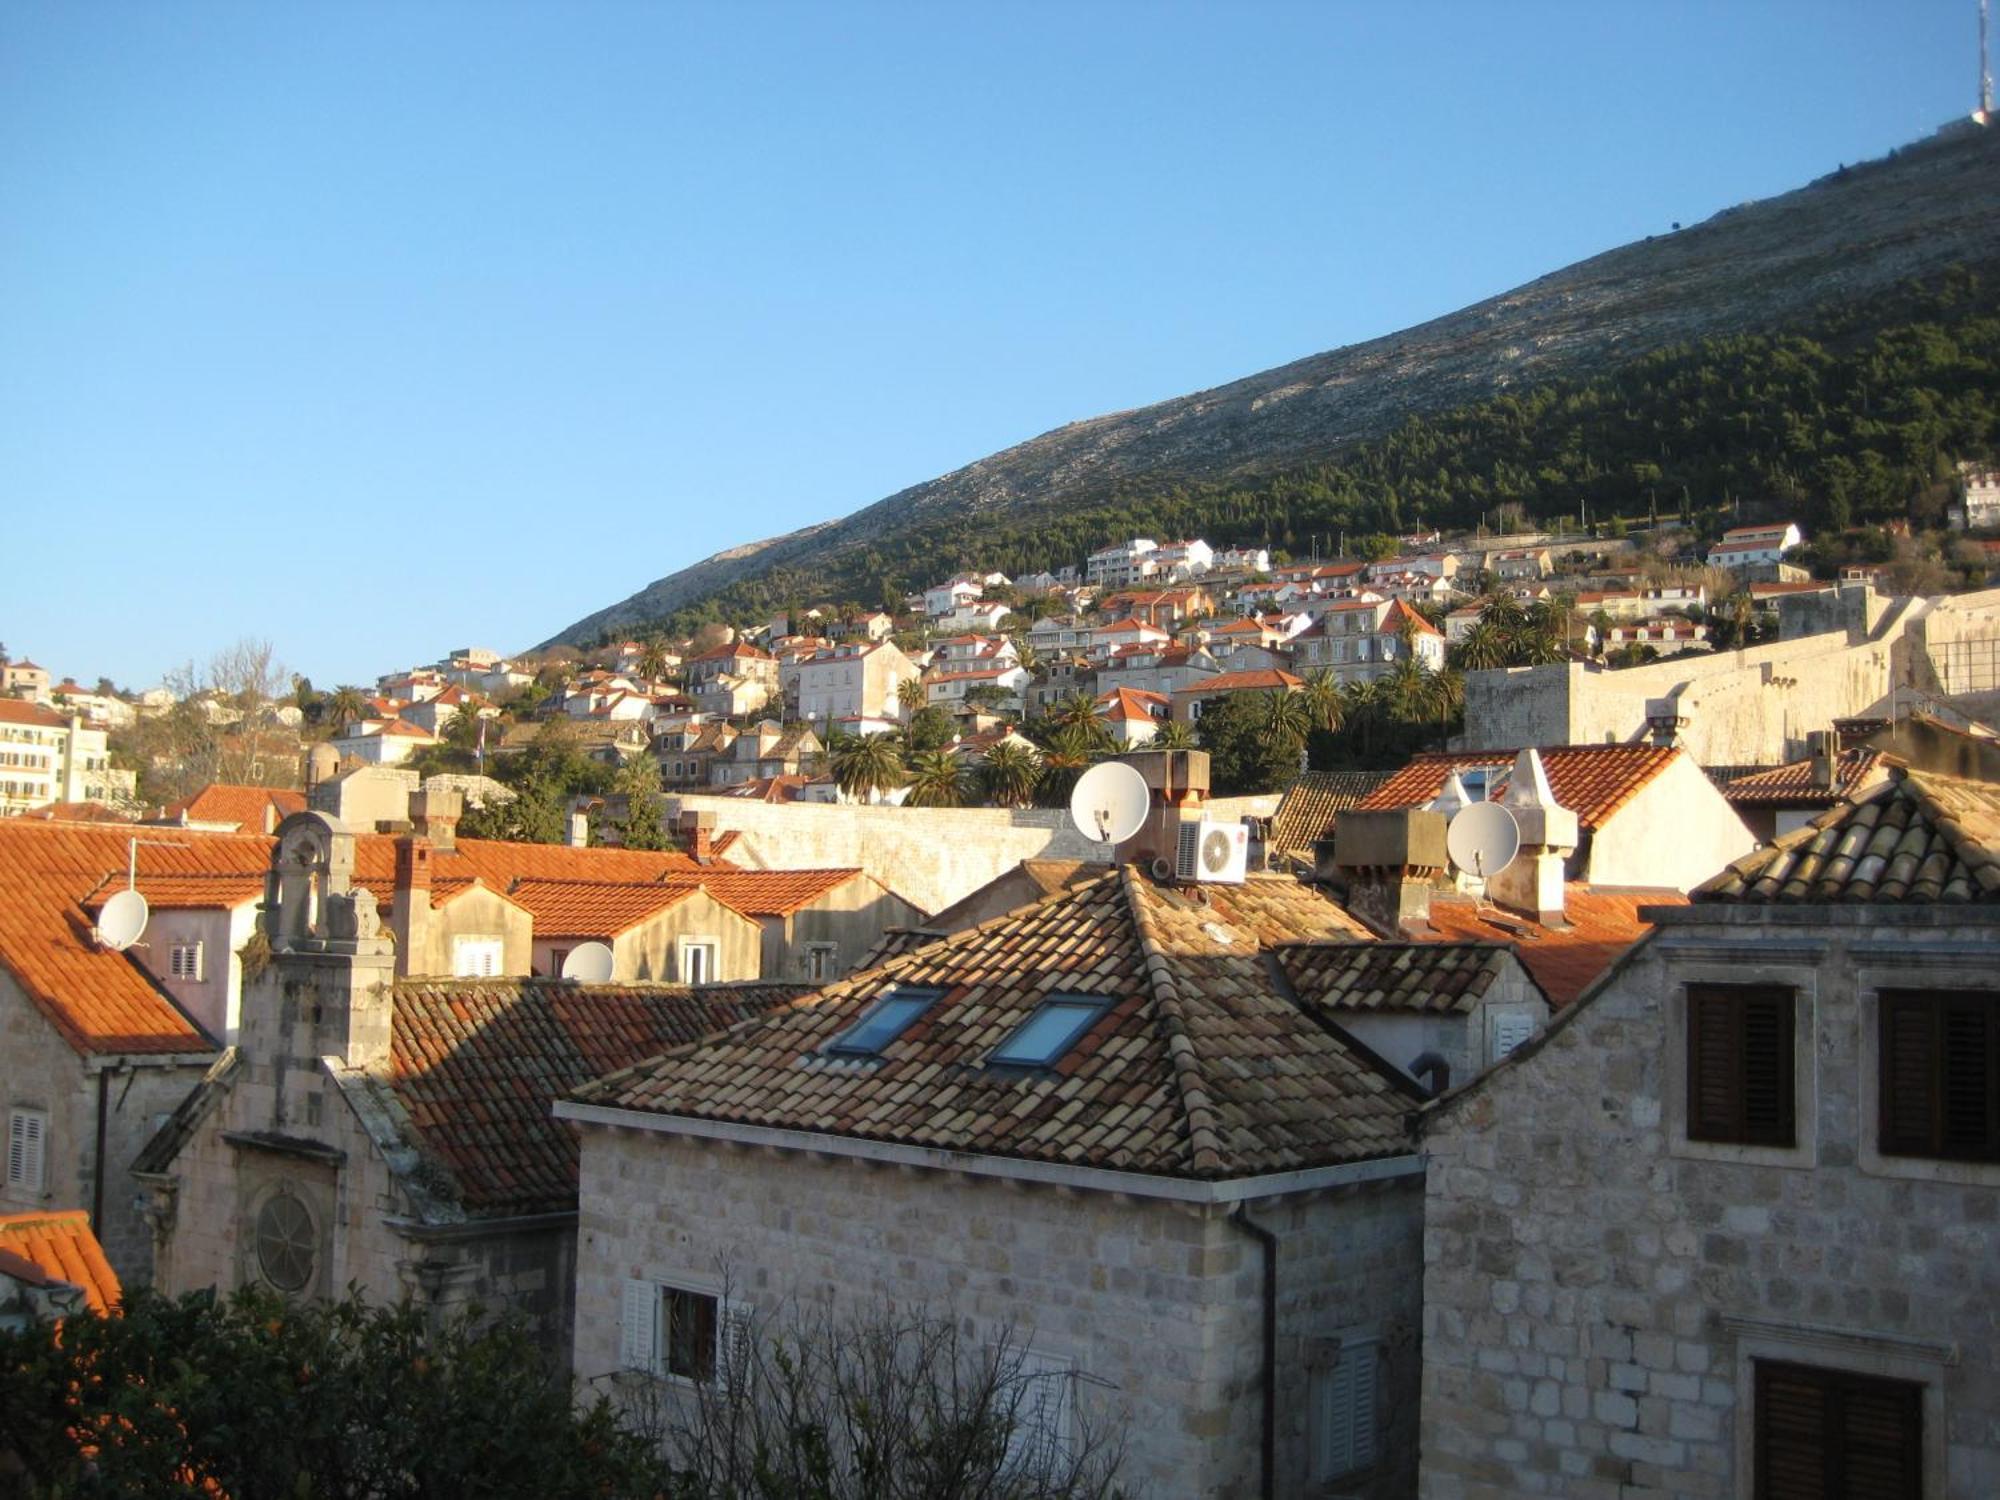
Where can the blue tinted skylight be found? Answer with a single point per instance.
(1049, 1032)
(885, 1021)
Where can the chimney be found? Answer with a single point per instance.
(410, 917)
(579, 829)
(1667, 719)
(697, 832)
(1390, 860)
(434, 814)
(1533, 883)
(1821, 749)
(1178, 780)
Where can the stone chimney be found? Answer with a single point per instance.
(434, 815)
(1391, 860)
(1178, 780)
(410, 917)
(1822, 749)
(579, 829)
(697, 833)
(1667, 720)
(1533, 883)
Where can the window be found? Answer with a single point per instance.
(1509, 1031)
(887, 1019)
(680, 1332)
(1343, 1410)
(286, 1240)
(1825, 1434)
(1739, 1047)
(557, 958)
(1047, 1034)
(698, 961)
(27, 1142)
(1043, 1410)
(475, 957)
(822, 962)
(184, 961)
(1941, 1074)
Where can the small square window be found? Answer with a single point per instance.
(475, 957)
(698, 958)
(887, 1019)
(1050, 1032)
(184, 961)
(680, 1332)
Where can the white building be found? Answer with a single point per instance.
(854, 681)
(45, 758)
(1754, 546)
(1979, 508)
(1123, 565)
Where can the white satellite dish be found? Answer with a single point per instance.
(122, 919)
(1109, 802)
(588, 963)
(1483, 839)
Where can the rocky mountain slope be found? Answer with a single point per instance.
(1857, 233)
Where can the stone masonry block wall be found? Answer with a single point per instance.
(1163, 1303)
(1592, 1289)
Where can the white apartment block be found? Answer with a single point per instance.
(46, 758)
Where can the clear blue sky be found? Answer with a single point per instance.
(378, 329)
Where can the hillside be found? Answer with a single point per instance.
(1854, 237)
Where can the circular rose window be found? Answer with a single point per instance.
(285, 1241)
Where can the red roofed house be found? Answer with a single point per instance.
(394, 1133)
(1189, 700)
(218, 808)
(94, 1049)
(1132, 715)
(1649, 817)
(1361, 639)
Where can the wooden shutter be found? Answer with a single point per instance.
(26, 1133)
(1940, 1083)
(1832, 1435)
(1343, 1440)
(1741, 1087)
(638, 1327)
(734, 1332)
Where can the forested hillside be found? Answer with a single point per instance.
(1856, 418)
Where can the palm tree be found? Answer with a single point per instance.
(1285, 717)
(1172, 735)
(1322, 701)
(1009, 772)
(1030, 659)
(1481, 648)
(1068, 754)
(652, 662)
(347, 704)
(864, 765)
(1077, 711)
(910, 693)
(938, 779)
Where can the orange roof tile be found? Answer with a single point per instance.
(98, 1000)
(61, 1245)
(246, 809)
(1793, 785)
(1592, 781)
(592, 909)
(1263, 680)
(1600, 924)
(20, 711)
(1198, 1066)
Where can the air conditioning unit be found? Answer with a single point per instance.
(1212, 852)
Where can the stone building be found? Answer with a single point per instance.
(1728, 1228)
(1104, 1122)
(394, 1134)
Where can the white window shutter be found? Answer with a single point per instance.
(734, 1332)
(639, 1326)
(1344, 1413)
(25, 1130)
(1509, 1031)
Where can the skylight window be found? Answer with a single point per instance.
(1050, 1032)
(886, 1020)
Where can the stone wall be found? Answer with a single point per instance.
(43, 1072)
(1159, 1304)
(1597, 1286)
(930, 856)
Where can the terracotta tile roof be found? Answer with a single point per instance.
(476, 1064)
(1916, 838)
(1197, 1067)
(1592, 781)
(1307, 810)
(99, 1000)
(20, 711)
(1401, 613)
(1599, 925)
(1124, 705)
(1792, 785)
(1415, 976)
(80, 812)
(245, 809)
(61, 1246)
(1264, 679)
(183, 892)
(594, 909)
(895, 942)
(769, 893)
(732, 652)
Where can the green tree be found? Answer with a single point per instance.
(1172, 735)
(911, 693)
(938, 779)
(252, 1395)
(930, 728)
(865, 765)
(1244, 756)
(643, 824)
(1009, 774)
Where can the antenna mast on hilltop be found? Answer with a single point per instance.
(1985, 71)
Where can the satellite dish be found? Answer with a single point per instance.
(588, 963)
(1109, 802)
(121, 920)
(1483, 839)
